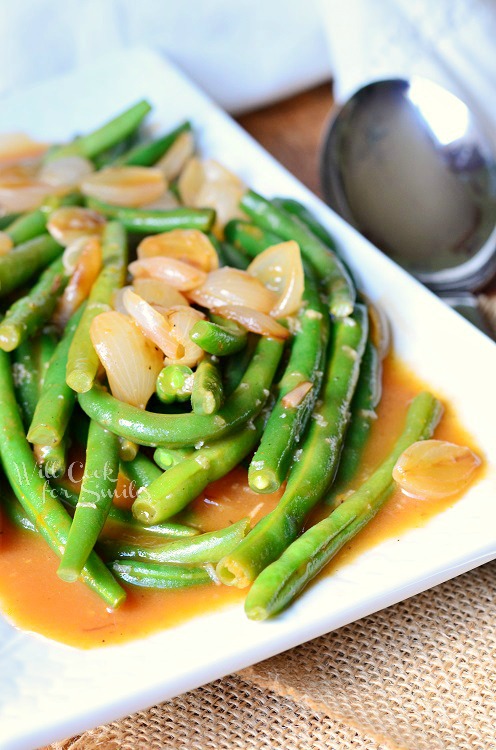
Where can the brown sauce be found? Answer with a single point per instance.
(33, 598)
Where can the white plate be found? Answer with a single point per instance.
(50, 691)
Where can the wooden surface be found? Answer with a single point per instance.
(292, 131)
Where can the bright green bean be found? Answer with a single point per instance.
(159, 576)
(166, 458)
(147, 154)
(281, 581)
(174, 383)
(156, 221)
(24, 262)
(207, 391)
(218, 339)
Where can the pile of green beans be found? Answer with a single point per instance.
(297, 413)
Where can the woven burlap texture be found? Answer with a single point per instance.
(418, 676)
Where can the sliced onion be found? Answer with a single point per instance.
(71, 254)
(132, 363)
(280, 268)
(158, 292)
(153, 325)
(295, 397)
(166, 202)
(253, 320)
(188, 245)
(86, 270)
(435, 469)
(125, 186)
(178, 274)
(182, 320)
(20, 189)
(6, 243)
(117, 300)
(70, 223)
(209, 184)
(67, 171)
(17, 147)
(176, 157)
(230, 286)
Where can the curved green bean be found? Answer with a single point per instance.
(218, 339)
(178, 430)
(281, 581)
(156, 221)
(314, 468)
(159, 576)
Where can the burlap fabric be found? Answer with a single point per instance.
(418, 676)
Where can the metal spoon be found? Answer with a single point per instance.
(406, 163)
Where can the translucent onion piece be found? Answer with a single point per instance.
(166, 202)
(178, 274)
(208, 184)
(125, 186)
(132, 363)
(176, 157)
(152, 324)
(253, 320)
(188, 245)
(280, 268)
(230, 286)
(17, 147)
(70, 223)
(158, 292)
(118, 302)
(86, 270)
(72, 252)
(20, 189)
(6, 243)
(435, 469)
(182, 320)
(68, 171)
(296, 396)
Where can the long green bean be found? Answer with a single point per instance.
(34, 492)
(207, 391)
(24, 262)
(177, 430)
(281, 581)
(314, 469)
(147, 154)
(156, 221)
(160, 576)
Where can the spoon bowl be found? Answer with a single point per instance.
(406, 163)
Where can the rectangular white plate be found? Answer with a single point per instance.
(50, 691)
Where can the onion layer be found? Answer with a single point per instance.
(125, 186)
(230, 286)
(69, 223)
(152, 324)
(178, 274)
(280, 268)
(253, 320)
(188, 245)
(132, 363)
(86, 270)
(157, 292)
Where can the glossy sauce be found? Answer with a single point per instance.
(34, 598)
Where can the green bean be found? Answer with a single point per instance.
(158, 576)
(97, 492)
(248, 238)
(92, 144)
(181, 484)
(207, 391)
(204, 548)
(56, 400)
(24, 262)
(330, 269)
(177, 430)
(303, 214)
(148, 154)
(29, 313)
(127, 450)
(166, 458)
(7, 221)
(174, 383)
(363, 415)
(234, 256)
(27, 226)
(218, 340)
(270, 464)
(25, 372)
(156, 221)
(281, 581)
(14, 510)
(126, 522)
(82, 360)
(236, 365)
(52, 458)
(141, 470)
(314, 469)
(34, 492)
(48, 341)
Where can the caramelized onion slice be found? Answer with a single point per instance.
(178, 274)
(125, 186)
(230, 286)
(86, 270)
(18, 147)
(188, 245)
(152, 324)
(280, 268)
(253, 320)
(157, 292)
(70, 223)
(182, 319)
(132, 363)
(209, 184)
(435, 469)
(176, 157)
(67, 171)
